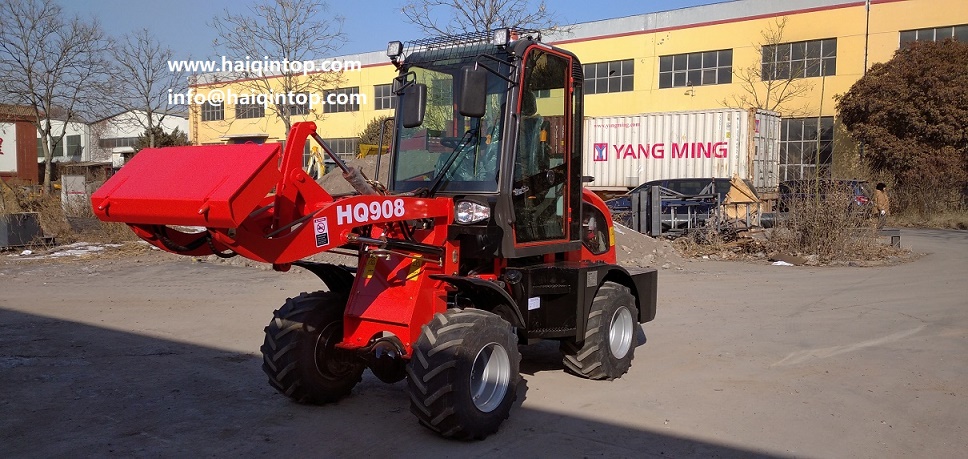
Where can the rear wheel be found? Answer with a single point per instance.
(464, 373)
(300, 355)
(610, 335)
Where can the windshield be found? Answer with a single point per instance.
(424, 152)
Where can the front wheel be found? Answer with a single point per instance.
(610, 335)
(464, 373)
(300, 355)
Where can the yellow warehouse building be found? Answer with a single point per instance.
(686, 59)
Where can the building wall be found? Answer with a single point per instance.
(63, 153)
(844, 22)
(8, 149)
(26, 146)
(128, 125)
(271, 127)
(645, 38)
(18, 152)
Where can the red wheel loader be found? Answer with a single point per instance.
(480, 239)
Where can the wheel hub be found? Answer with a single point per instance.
(332, 362)
(490, 377)
(620, 333)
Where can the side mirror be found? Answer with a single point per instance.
(473, 93)
(413, 105)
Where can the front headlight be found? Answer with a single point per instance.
(471, 212)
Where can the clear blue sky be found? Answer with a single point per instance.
(181, 24)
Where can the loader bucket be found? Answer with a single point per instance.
(215, 186)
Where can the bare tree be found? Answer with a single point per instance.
(448, 17)
(54, 65)
(282, 31)
(773, 90)
(144, 80)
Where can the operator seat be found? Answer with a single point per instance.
(538, 214)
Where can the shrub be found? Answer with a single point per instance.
(826, 223)
(64, 223)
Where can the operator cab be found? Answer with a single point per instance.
(494, 121)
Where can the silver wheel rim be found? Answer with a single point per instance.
(620, 333)
(490, 377)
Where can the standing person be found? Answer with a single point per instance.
(882, 203)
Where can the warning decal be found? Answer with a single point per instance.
(321, 229)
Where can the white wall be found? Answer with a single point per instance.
(130, 124)
(8, 147)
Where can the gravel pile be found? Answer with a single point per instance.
(636, 250)
(334, 183)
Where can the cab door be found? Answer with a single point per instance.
(541, 169)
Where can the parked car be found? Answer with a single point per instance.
(791, 191)
(686, 202)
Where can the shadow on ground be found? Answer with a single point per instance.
(70, 389)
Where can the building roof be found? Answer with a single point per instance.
(17, 113)
(695, 16)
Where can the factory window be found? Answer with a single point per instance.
(74, 145)
(806, 147)
(58, 147)
(603, 77)
(244, 111)
(696, 69)
(116, 142)
(213, 112)
(345, 147)
(342, 100)
(299, 105)
(802, 59)
(384, 98)
(958, 32)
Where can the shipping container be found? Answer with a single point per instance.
(622, 152)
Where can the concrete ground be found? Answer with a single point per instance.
(158, 356)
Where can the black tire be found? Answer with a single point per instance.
(299, 354)
(456, 353)
(610, 336)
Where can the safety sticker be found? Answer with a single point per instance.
(415, 267)
(321, 229)
(369, 267)
(534, 303)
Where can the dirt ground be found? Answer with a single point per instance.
(132, 352)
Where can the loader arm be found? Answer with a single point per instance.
(253, 200)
